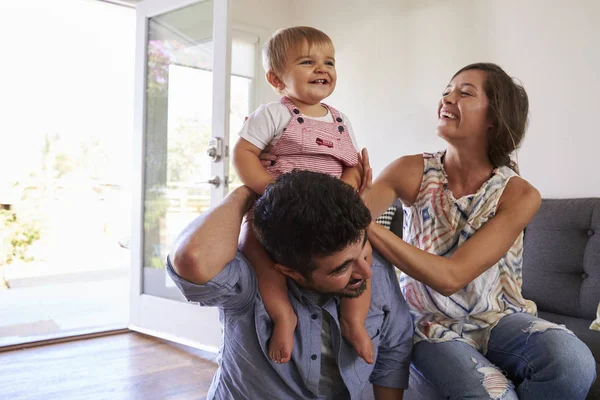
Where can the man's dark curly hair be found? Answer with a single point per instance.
(304, 214)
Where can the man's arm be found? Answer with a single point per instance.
(387, 393)
(210, 242)
(395, 347)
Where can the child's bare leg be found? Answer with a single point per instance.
(273, 290)
(353, 314)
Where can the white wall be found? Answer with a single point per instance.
(395, 57)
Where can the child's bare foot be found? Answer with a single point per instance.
(282, 339)
(357, 335)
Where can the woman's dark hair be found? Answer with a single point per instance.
(508, 110)
(304, 214)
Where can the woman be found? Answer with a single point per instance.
(465, 209)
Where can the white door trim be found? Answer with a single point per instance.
(221, 93)
(170, 319)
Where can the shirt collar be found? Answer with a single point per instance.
(305, 296)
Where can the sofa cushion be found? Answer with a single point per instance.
(398, 219)
(561, 257)
(387, 217)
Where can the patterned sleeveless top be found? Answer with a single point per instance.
(439, 223)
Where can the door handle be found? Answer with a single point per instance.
(215, 181)
(215, 149)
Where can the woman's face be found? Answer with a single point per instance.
(462, 111)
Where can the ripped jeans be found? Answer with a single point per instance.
(528, 358)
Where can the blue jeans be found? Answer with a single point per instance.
(527, 359)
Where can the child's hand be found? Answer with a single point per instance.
(266, 158)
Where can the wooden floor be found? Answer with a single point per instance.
(125, 366)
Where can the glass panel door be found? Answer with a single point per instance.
(179, 93)
(182, 114)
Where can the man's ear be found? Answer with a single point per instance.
(292, 273)
(274, 80)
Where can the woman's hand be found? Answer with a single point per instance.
(266, 158)
(366, 182)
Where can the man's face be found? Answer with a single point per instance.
(343, 273)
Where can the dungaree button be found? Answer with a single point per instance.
(314, 316)
(338, 119)
(313, 357)
(341, 129)
(296, 111)
(300, 119)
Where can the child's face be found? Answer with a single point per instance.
(310, 74)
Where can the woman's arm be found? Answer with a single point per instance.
(517, 206)
(401, 179)
(249, 167)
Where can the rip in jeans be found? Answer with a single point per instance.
(541, 326)
(494, 381)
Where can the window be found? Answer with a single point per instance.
(179, 127)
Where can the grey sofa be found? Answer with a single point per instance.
(561, 273)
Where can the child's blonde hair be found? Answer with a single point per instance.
(286, 40)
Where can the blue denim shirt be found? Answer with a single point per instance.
(245, 370)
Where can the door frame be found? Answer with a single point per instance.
(173, 320)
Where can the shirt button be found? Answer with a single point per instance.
(313, 357)
(314, 316)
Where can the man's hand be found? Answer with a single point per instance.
(266, 158)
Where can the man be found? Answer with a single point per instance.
(314, 228)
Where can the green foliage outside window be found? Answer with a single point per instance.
(17, 236)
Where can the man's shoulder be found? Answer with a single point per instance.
(384, 280)
(380, 265)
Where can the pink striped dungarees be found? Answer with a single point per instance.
(308, 144)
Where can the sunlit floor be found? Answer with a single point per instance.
(126, 366)
(50, 310)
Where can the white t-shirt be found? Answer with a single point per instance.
(265, 125)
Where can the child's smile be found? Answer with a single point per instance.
(310, 77)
